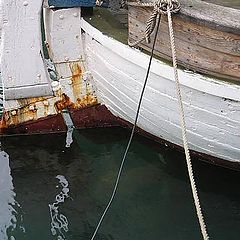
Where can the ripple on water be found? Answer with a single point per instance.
(63, 191)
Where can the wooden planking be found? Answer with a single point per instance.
(199, 48)
(190, 32)
(213, 16)
(23, 69)
(210, 129)
(162, 126)
(133, 75)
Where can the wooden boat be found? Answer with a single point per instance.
(99, 80)
(207, 37)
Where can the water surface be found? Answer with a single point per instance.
(48, 191)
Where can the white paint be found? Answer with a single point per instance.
(63, 34)
(55, 86)
(212, 107)
(8, 205)
(23, 69)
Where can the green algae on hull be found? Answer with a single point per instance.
(107, 23)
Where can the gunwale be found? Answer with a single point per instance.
(207, 37)
(214, 16)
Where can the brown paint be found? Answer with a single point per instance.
(50, 124)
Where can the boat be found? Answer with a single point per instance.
(207, 37)
(97, 80)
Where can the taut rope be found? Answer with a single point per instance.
(184, 129)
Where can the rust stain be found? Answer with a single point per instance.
(3, 122)
(46, 107)
(76, 79)
(87, 100)
(28, 101)
(22, 115)
(63, 103)
(27, 110)
(33, 109)
(30, 112)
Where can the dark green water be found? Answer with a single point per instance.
(153, 202)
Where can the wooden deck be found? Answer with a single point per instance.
(207, 37)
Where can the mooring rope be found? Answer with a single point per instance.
(151, 23)
(131, 137)
(184, 131)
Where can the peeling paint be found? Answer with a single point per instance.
(72, 88)
(78, 95)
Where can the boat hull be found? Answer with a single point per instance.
(211, 106)
(102, 89)
(89, 117)
(100, 117)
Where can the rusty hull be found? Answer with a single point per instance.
(74, 93)
(88, 117)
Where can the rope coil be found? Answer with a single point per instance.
(159, 7)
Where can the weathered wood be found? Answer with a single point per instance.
(210, 15)
(227, 3)
(201, 45)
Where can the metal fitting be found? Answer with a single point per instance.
(31, 108)
(14, 113)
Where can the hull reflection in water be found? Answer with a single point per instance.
(59, 223)
(154, 200)
(10, 215)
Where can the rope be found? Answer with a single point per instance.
(123, 4)
(131, 137)
(98, 3)
(184, 132)
(159, 7)
(151, 22)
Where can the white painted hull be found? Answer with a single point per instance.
(212, 107)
